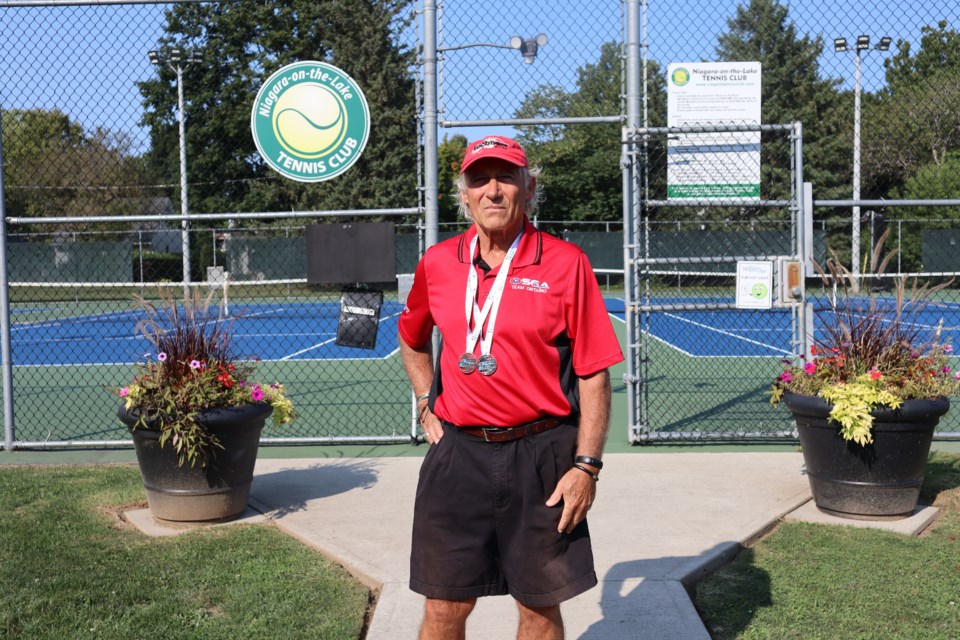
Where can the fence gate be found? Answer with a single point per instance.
(702, 362)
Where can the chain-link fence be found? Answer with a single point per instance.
(92, 134)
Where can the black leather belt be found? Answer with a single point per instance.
(507, 434)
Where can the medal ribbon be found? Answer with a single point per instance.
(492, 303)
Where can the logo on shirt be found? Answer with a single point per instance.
(529, 284)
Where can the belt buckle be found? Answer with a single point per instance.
(489, 430)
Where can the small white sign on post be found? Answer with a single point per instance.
(754, 285)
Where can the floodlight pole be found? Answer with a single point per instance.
(185, 224)
(177, 60)
(862, 43)
(855, 235)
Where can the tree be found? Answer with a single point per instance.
(53, 167)
(450, 154)
(243, 43)
(792, 91)
(583, 180)
(916, 120)
(935, 181)
(939, 50)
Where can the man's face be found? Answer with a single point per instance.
(496, 194)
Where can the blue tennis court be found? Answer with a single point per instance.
(269, 331)
(306, 331)
(727, 333)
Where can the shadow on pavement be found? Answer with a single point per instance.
(290, 490)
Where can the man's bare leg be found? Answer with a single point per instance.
(445, 619)
(540, 623)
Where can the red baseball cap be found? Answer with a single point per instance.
(494, 147)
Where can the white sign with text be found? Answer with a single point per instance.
(719, 164)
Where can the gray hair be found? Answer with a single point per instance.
(535, 197)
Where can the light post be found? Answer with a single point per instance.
(840, 46)
(179, 60)
(529, 48)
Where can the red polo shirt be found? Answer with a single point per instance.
(552, 327)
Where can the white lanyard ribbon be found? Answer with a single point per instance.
(492, 303)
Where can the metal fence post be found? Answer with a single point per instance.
(631, 207)
(9, 429)
(430, 150)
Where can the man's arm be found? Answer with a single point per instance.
(576, 488)
(418, 363)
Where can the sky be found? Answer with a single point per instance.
(86, 60)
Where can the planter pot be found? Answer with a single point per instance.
(879, 481)
(218, 492)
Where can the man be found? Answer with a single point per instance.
(516, 413)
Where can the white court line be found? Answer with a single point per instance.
(613, 314)
(703, 326)
(326, 342)
(311, 348)
(727, 333)
(79, 320)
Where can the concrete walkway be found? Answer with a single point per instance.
(660, 521)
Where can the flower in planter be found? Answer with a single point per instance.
(870, 356)
(194, 370)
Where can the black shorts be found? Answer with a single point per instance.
(481, 526)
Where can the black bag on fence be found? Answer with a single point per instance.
(359, 318)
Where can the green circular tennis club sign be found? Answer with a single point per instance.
(310, 121)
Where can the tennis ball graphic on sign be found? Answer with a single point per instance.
(309, 119)
(759, 290)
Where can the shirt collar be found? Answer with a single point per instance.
(529, 252)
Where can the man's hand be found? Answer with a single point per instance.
(432, 429)
(577, 491)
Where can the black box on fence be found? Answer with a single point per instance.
(341, 253)
(359, 318)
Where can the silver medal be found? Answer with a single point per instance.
(467, 363)
(487, 364)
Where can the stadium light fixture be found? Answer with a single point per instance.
(862, 44)
(178, 60)
(528, 47)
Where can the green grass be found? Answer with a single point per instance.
(815, 581)
(71, 568)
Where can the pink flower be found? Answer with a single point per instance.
(786, 376)
(124, 392)
(947, 348)
(810, 368)
(957, 376)
(256, 394)
(194, 364)
(162, 356)
(876, 375)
